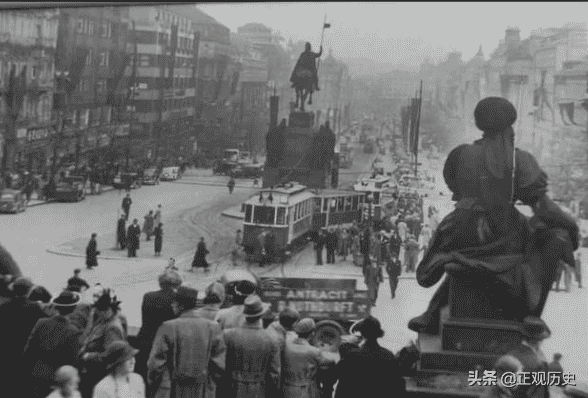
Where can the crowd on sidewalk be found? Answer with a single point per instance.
(77, 345)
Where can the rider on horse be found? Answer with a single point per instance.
(306, 67)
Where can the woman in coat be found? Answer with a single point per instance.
(158, 232)
(200, 256)
(120, 380)
(121, 232)
(148, 225)
(105, 325)
(92, 252)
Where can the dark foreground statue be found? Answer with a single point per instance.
(486, 240)
(274, 144)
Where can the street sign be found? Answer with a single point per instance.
(316, 298)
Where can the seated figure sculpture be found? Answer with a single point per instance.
(486, 240)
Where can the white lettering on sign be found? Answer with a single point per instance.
(317, 294)
(37, 134)
(318, 306)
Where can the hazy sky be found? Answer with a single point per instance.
(401, 33)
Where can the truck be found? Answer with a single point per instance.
(334, 304)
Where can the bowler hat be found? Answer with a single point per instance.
(494, 114)
(118, 352)
(67, 299)
(254, 307)
(305, 325)
(370, 327)
(535, 328)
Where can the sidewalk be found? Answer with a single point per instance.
(37, 202)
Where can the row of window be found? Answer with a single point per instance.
(87, 26)
(277, 215)
(90, 117)
(103, 58)
(42, 70)
(168, 19)
(149, 37)
(153, 83)
(339, 204)
(148, 60)
(101, 85)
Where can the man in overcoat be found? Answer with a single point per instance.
(133, 238)
(53, 343)
(126, 205)
(157, 308)
(121, 232)
(253, 356)
(233, 316)
(92, 252)
(302, 362)
(393, 269)
(188, 354)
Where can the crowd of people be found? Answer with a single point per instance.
(77, 345)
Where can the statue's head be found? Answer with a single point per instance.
(307, 47)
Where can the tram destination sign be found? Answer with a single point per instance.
(335, 299)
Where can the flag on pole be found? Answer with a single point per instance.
(326, 26)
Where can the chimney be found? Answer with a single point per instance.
(512, 37)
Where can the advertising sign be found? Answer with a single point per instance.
(316, 298)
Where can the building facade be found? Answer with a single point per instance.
(28, 41)
(92, 56)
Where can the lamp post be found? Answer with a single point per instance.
(61, 79)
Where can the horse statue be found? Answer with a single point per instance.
(304, 87)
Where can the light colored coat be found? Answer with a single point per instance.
(252, 364)
(188, 355)
(301, 364)
(231, 317)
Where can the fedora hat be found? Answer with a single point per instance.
(185, 294)
(67, 299)
(254, 307)
(535, 328)
(370, 327)
(117, 353)
(305, 325)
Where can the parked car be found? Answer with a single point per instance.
(122, 180)
(170, 173)
(69, 189)
(12, 201)
(151, 177)
(248, 171)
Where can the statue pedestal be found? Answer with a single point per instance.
(301, 119)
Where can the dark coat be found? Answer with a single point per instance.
(156, 309)
(54, 342)
(158, 232)
(121, 234)
(199, 260)
(7, 264)
(21, 315)
(133, 236)
(92, 253)
(533, 364)
(331, 240)
(76, 284)
(376, 368)
(126, 204)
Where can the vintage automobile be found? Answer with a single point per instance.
(12, 201)
(170, 173)
(69, 189)
(248, 171)
(151, 177)
(123, 180)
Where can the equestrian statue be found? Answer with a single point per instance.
(304, 77)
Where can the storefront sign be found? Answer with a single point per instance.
(36, 134)
(316, 298)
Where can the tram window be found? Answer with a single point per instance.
(355, 204)
(297, 212)
(361, 200)
(281, 216)
(333, 205)
(325, 204)
(248, 212)
(264, 215)
(347, 203)
(317, 205)
(340, 203)
(376, 198)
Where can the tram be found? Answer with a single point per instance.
(334, 208)
(292, 211)
(380, 190)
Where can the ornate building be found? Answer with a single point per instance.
(28, 41)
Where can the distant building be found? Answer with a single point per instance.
(28, 39)
(258, 34)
